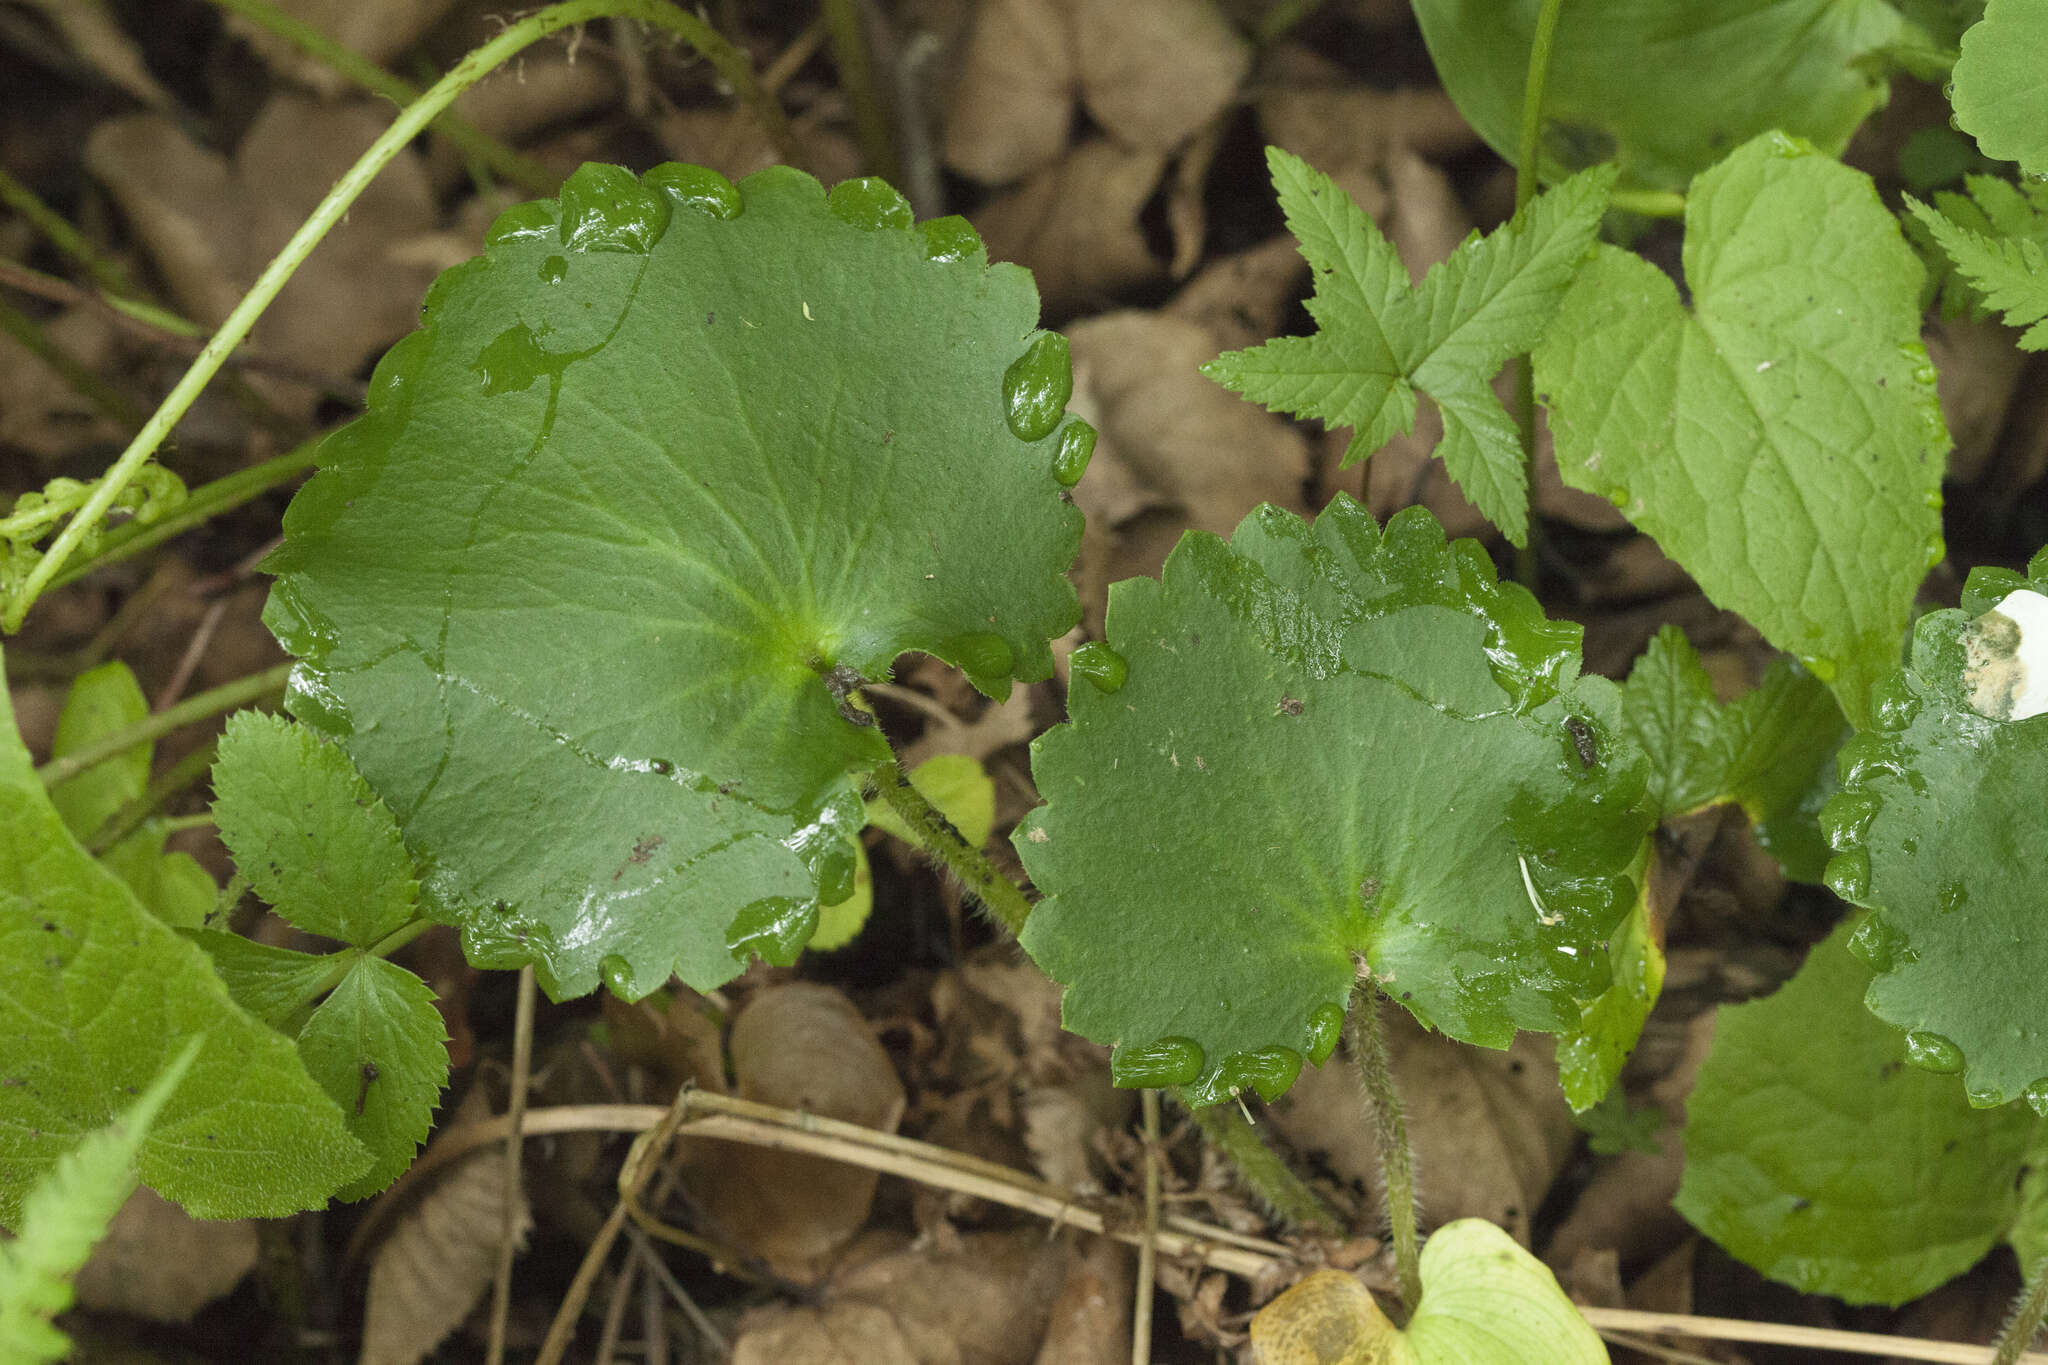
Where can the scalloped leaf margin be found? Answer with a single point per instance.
(667, 471)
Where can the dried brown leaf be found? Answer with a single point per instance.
(1011, 102)
(1154, 72)
(1091, 1318)
(378, 29)
(161, 1263)
(1075, 224)
(40, 413)
(437, 1261)
(799, 1046)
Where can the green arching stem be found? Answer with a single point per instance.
(2026, 1317)
(1526, 567)
(1649, 203)
(105, 271)
(856, 65)
(202, 504)
(936, 835)
(1290, 1199)
(60, 290)
(478, 145)
(730, 62)
(1368, 1046)
(155, 726)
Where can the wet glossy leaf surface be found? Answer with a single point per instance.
(97, 995)
(1940, 827)
(1718, 72)
(1815, 1153)
(1780, 438)
(1329, 742)
(669, 464)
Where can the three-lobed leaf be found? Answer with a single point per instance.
(1939, 828)
(1663, 90)
(1328, 744)
(97, 994)
(1816, 1154)
(1379, 341)
(1780, 438)
(668, 470)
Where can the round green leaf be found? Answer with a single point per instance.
(1940, 827)
(1485, 1301)
(1999, 92)
(668, 470)
(1813, 1153)
(1781, 437)
(1664, 90)
(379, 1048)
(1329, 742)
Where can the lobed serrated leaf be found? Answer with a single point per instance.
(1379, 341)
(1940, 828)
(1815, 1154)
(2009, 272)
(65, 1214)
(378, 1047)
(1997, 89)
(95, 996)
(669, 464)
(1328, 743)
(1781, 438)
(1664, 90)
(308, 832)
(1765, 751)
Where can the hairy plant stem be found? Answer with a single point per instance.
(1368, 1047)
(155, 726)
(478, 145)
(1527, 556)
(1261, 1168)
(936, 836)
(852, 55)
(730, 62)
(2025, 1321)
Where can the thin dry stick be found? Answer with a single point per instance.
(615, 1311)
(188, 662)
(515, 1117)
(634, 1174)
(1148, 1246)
(1783, 1334)
(703, 1324)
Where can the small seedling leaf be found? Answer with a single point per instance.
(1485, 1301)
(2010, 273)
(1379, 341)
(1781, 438)
(1815, 1153)
(669, 470)
(99, 995)
(1329, 742)
(1939, 828)
(308, 832)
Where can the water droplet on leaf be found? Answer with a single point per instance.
(1037, 386)
(1267, 1070)
(554, 269)
(837, 868)
(1932, 1052)
(618, 977)
(512, 361)
(1894, 704)
(1077, 447)
(1953, 897)
(695, 187)
(1162, 1062)
(983, 656)
(2036, 1096)
(870, 203)
(1877, 944)
(523, 222)
(1848, 875)
(775, 928)
(607, 208)
(949, 239)
(1101, 665)
(1325, 1026)
(1846, 815)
